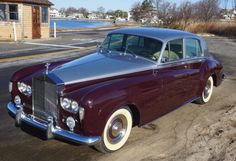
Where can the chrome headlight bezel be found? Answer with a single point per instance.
(10, 87)
(24, 88)
(69, 105)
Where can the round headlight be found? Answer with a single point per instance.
(17, 100)
(23, 87)
(70, 122)
(75, 106)
(29, 91)
(65, 103)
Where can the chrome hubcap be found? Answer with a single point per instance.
(117, 129)
(207, 89)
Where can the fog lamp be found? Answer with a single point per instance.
(70, 122)
(17, 100)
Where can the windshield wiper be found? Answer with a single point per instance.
(130, 51)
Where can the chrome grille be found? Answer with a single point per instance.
(44, 98)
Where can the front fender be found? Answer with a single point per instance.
(101, 102)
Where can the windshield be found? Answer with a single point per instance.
(135, 45)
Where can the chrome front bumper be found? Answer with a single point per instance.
(50, 129)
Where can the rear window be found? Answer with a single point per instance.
(192, 48)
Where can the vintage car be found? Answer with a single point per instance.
(136, 76)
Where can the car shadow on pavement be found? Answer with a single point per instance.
(42, 134)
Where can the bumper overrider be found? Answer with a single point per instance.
(49, 128)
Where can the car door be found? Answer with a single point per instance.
(194, 60)
(174, 73)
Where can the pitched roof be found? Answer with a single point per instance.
(39, 2)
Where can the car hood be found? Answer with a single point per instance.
(98, 66)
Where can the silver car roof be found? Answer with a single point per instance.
(155, 33)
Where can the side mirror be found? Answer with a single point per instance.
(98, 45)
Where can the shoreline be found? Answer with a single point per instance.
(82, 19)
(107, 27)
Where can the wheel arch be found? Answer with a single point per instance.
(135, 114)
(214, 76)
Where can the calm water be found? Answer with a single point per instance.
(79, 24)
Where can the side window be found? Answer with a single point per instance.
(3, 16)
(173, 51)
(132, 40)
(192, 48)
(116, 42)
(44, 14)
(13, 12)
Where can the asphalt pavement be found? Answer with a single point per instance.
(176, 136)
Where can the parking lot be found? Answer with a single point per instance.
(191, 133)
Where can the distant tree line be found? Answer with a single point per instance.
(170, 13)
(71, 10)
(100, 10)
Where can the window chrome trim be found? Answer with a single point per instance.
(181, 62)
(164, 46)
(184, 51)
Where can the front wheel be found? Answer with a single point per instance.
(116, 131)
(207, 92)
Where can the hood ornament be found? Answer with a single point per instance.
(47, 67)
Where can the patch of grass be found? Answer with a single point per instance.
(216, 28)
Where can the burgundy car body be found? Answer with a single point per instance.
(150, 92)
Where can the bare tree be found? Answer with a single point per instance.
(185, 12)
(70, 11)
(84, 11)
(207, 10)
(165, 10)
(62, 10)
(136, 11)
(101, 10)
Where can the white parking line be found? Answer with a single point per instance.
(54, 45)
(87, 42)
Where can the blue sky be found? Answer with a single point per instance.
(94, 4)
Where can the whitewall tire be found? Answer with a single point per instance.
(116, 131)
(207, 92)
